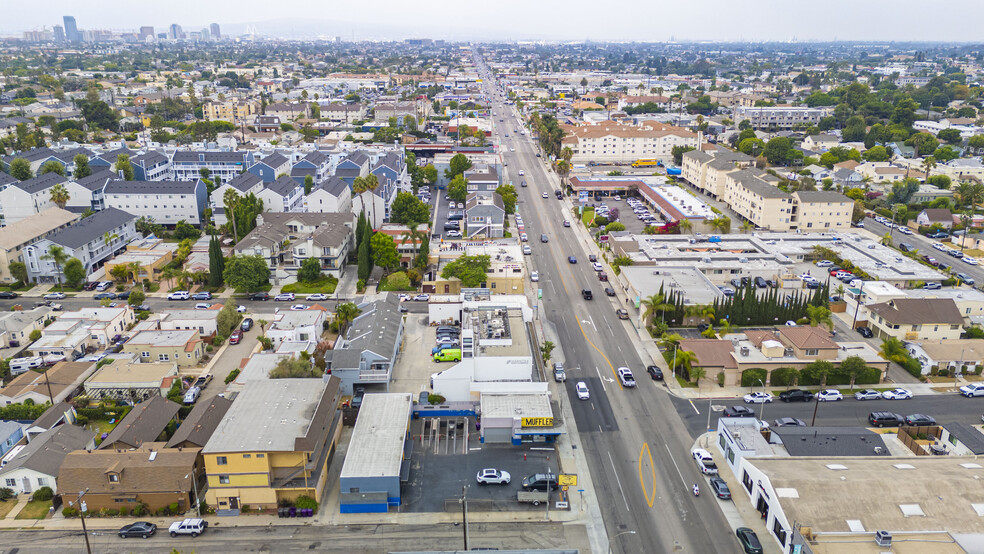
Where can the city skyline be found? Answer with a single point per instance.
(840, 20)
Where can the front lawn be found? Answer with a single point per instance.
(324, 285)
(586, 216)
(37, 509)
(6, 506)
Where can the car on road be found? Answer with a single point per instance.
(789, 422)
(572, 259)
(54, 296)
(885, 419)
(202, 306)
(567, 223)
(622, 313)
(897, 394)
(737, 411)
(626, 377)
(972, 390)
(142, 529)
(965, 278)
(236, 336)
(655, 372)
(178, 295)
(284, 297)
(829, 395)
(582, 390)
(796, 395)
(247, 324)
(202, 296)
(527, 250)
(190, 526)
(298, 307)
(586, 294)
(597, 266)
(421, 298)
(111, 295)
(6, 294)
(720, 488)
(865, 332)
(260, 296)
(544, 195)
(609, 291)
(491, 476)
(867, 394)
(318, 296)
(749, 541)
(758, 398)
(919, 420)
(559, 374)
(142, 308)
(534, 276)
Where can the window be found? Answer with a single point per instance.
(11, 482)
(42, 482)
(779, 532)
(145, 354)
(261, 455)
(247, 456)
(812, 351)
(221, 460)
(114, 478)
(223, 479)
(746, 481)
(163, 357)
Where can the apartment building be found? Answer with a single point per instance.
(152, 166)
(706, 170)
(285, 240)
(165, 202)
(282, 195)
(280, 458)
(779, 117)
(183, 347)
(911, 319)
(222, 166)
(92, 241)
(21, 199)
(316, 164)
(14, 238)
(611, 142)
(271, 167)
(233, 111)
(821, 210)
(753, 195)
(331, 196)
(244, 183)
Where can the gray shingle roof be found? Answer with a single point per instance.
(94, 226)
(244, 181)
(97, 180)
(283, 186)
(968, 435)
(273, 160)
(317, 157)
(149, 159)
(46, 452)
(697, 155)
(209, 156)
(333, 186)
(151, 187)
(754, 183)
(918, 311)
(6, 179)
(38, 184)
(375, 330)
(143, 424)
(201, 422)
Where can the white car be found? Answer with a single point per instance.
(523, 237)
(179, 295)
(705, 463)
(829, 395)
(582, 390)
(973, 389)
(535, 276)
(969, 260)
(521, 173)
(626, 377)
(491, 476)
(897, 394)
(452, 234)
(241, 309)
(446, 340)
(905, 230)
(284, 297)
(298, 307)
(54, 296)
(421, 298)
(405, 297)
(939, 246)
(193, 527)
(527, 250)
(319, 296)
(759, 398)
(544, 195)
(597, 266)
(202, 306)
(867, 394)
(825, 263)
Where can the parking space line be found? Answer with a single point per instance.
(694, 406)
(619, 481)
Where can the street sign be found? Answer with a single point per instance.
(567, 480)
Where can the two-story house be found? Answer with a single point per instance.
(96, 185)
(244, 184)
(16, 325)
(367, 353)
(182, 346)
(297, 326)
(37, 464)
(317, 164)
(483, 180)
(285, 240)
(330, 196)
(102, 324)
(391, 172)
(916, 319)
(282, 195)
(22, 199)
(485, 216)
(355, 164)
(152, 166)
(271, 167)
(15, 237)
(165, 202)
(91, 240)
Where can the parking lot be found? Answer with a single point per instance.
(626, 216)
(416, 363)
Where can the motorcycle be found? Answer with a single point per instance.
(696, 490)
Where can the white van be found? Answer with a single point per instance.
(22, 365)
(192, 395)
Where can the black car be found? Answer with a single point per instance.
(749, 541)
(540, 482)
(586, 293)
(655, 372)
(796, 395)
(260, 296)
(919, 420)
(592, 258)
(738, 411)
(720, 488)
(885, 419)
(865, 332)
(7, 294)
(143, 529)
(142, 308)
(736, 283)
(609, 291)
(247, 324)
(102, 295)
(790, 422)
(123, 295)
(760, 282)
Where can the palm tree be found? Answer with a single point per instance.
(135, 268)
(262, 323)
(119, 272)
(670, 340)
(887, 239)
(746, 226)
(566, 154)
(653, 304)
(109, 238)
(701, 311)
(168, 274)
(928, 164)
(685, 226)
(344, 314)
(58, 256)
(697, 373)
(230, 199)
(819, 315)
(60, 195)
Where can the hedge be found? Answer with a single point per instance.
(784, 376)
(750, 377)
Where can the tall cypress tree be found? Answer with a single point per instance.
(365, 254)
(360, 228)
(216, 263)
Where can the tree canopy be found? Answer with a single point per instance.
(471, 270)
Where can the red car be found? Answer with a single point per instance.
(235, 337)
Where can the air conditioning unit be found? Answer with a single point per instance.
(744, 351)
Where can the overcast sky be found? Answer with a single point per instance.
(642, 20)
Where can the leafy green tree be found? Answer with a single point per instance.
(614, 226)
(51, 166)
(310, 270)
(976, 143)
(184, 230)
(458, 188)
(940, 182)
(458, 165)
(924, 143)
(228, 319)
(751, 146)
(903, 192)
(950, 136)
(777, 150)
(137, 297)
(246, 273)
(819, 315)
(430, 174)
(291, 368)
(409, 210)
(18, 270)
(471, 270)
(364, 253)
(509, 197)
(384, 252)
(345, 313)
(678, 152)
(20, 169)
(744, 124)
(817, 371)
(308, 184)
(124, 166)
(74, 272)
(877, 153)
(853, 367)
(82, 168)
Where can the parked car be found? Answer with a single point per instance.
(622, 313)
(582, 391)
(318, 296)
(738, 411)
(284, 297)
(202, 296)
(655, 372)
(626, 377)
(609, 291)
(191, 526)
(865, 332)
(758, 398)
(178, 295)
(298, 307)
(825, 263)
(749, 541)
(973, 389)
(109, 295)
(789, 422)
(540, 482)
(885, 419)
(559, 374)
(829, 395)
(919, 420)
(867, 394)
(794, 395)
(202, 306)
(720, 488)
(705, 462)
(965, 278)
(492, 476)
(142, 529)
(897, 394)
(236, 336)
(54, 296)
(247, 324)
(421, 298)
(260, 296)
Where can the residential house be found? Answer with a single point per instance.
(61, 413)
(393, 176)
(11, 433)
(129, 381)
(847, 178)
(152, 166)
(37, 464)
(267, 124)
(367, 353)
(106, 160)
(935, 216)
(818, 172)
(317, 164)
(165, 202)
(282, 195)
(912, 319)
(482, 180)
(330, 196)
(955, 356)
(779, 117)
(287, 111)
(298, 325)
(54, 385)
(15, 237)
(151, 475)
(271, 167)
(820, 143)
(143, 424)
(222, 166)
(68, 340)
(201, 423)
(343, 114)
(102, 324)
(355, 164)
(285, 240)
(22, 199)
(181, 346)
(244, 184)
(484, 216)
(92, 241)
(203, 321)
(280, 458)
(145, 259)
(16, 325)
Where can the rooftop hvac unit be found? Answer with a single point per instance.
(878, 450)
(883, 538)
(736, 434)
(788, 352)
(744, 351)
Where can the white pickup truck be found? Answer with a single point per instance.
(191, 526)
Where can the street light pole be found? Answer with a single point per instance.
(762, 409)
(617, 536)
(82, 506)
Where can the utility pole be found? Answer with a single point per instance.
(82, 507)
(47, 384)
(464, 514)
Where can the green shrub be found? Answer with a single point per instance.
(435, 399)
(173, 507)
(69, 511)
(306, 502)
(289, 288)
(44, 493)
(720, 378)
(140, 510)
(750, 377)
(232, 376)
(6, 494)
(784, 377)
(112, 513)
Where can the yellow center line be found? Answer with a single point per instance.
(610, 366)
(652, 468)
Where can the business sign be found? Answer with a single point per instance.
(567, 480)
(537, 422)
(583, 196)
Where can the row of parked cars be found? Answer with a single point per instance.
(448, 348)
(829, 395)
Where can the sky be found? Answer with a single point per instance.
(550, 20)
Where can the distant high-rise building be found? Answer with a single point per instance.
(59, 33)
(71, 30)
(175, 32)
(146, 32)
(216, 33)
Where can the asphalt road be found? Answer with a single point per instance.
(925, 247)
(634, 439)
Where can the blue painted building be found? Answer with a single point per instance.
(377, 460)
(11, 433)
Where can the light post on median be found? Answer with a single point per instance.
(762, 409)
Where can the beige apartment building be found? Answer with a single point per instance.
(611, 142)
(822, 210)
(14, 237)
(753, 195)
(180, 346)
(233, 111)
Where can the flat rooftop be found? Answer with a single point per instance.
(516, 405)
(175, 337)
(497, 331)
(376, 447)
(647, 280)
(124, 371)
(268, 416)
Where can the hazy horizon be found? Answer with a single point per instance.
(509, 20)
